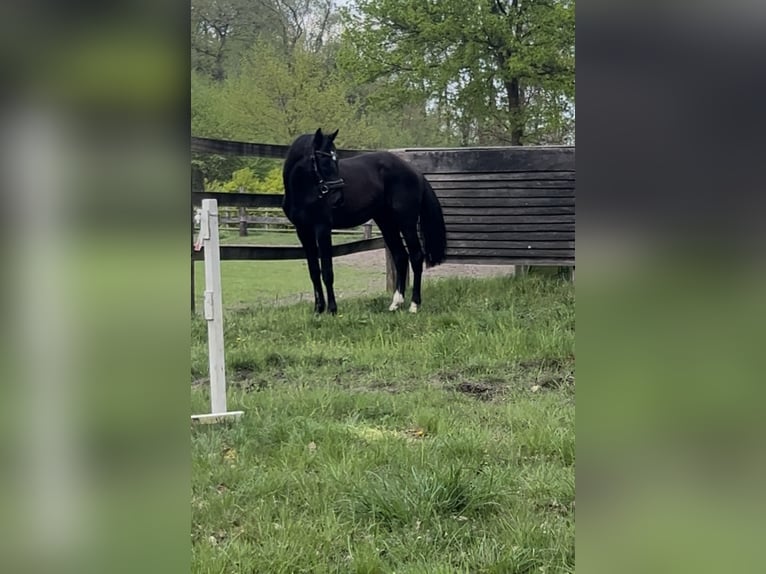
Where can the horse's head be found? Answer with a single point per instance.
(326, 168)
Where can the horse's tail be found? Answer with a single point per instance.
(432, 226)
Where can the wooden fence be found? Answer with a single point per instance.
(502, 205)
(271, 252)
(511, 205)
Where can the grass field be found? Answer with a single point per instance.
(389, 442)
(279, 282)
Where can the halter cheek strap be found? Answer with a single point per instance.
(325, 187)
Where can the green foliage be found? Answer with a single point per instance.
(386, 73)
(242, 180)
(272, 181)
(246, 180)
(494, 70)
(276, 98)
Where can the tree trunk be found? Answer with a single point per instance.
(514, 107)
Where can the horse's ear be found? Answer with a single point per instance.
(332, 135)
(318, 137)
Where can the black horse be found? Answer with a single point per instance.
(322, 194)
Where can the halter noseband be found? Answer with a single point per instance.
(325, 187)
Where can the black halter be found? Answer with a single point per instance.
(325, 187)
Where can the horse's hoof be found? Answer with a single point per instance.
(413, 307)
(397, 302)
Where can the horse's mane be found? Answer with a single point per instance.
(300, 149)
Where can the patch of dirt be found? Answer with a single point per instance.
(377, 260)
(549, 373)
(548, 363)
(556, 507)
(416, 433)
(481, 391)
(385, 386)
(252, 381)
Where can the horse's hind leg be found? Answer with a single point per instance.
(410, 234)
(309, 242)
(393, 240)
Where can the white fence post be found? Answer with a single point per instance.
(213, 313)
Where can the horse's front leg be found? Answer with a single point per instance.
(324, 239)
(309, 242)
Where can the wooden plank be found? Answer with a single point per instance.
(365, 229)
(214, 418)
(510, 236)
(226, 199)
(530, 186)
(508, 211)
(534, 245)
(254, 219)
(494, 180)
(506, 201)
(528, 176)
(562, 262)
(509, 159)
(237, 148)
(510, 220)
(262, 200)
(281, 253)
(521, 227)
(503, 193)
(502, 253)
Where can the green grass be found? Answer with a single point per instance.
(279, 282)
(389, 442)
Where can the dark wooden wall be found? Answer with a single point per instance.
(504, 205)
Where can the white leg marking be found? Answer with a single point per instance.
(413, 307)
(396, 303)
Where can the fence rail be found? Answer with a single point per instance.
(247, 149)
(241, 200)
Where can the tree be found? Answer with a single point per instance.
(275, 98)
(224, 29)
(305, 23)
(494, 71)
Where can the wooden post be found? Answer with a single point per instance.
(213, 311)
(391, 273)
(193, 303)
(368, 230)
(197, 184)
(567, 273)
(242, 222)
